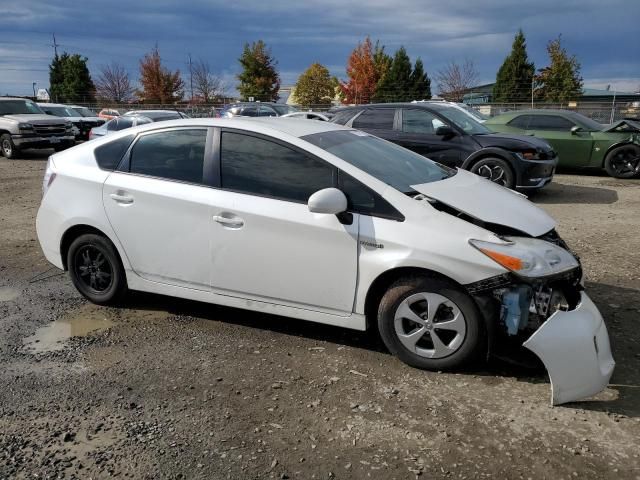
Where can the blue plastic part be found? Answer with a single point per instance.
(515, 308)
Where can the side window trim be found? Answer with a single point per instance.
(125, 164)
(277, 141)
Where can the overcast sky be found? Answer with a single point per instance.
(604, 34)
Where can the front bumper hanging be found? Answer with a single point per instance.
(574, 347)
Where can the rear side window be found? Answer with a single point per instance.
(549, 122)
(109, 155)
(261, 167)
(174, 155)
(343, 117)
(123, 122)
(520, 122)
(376, 118)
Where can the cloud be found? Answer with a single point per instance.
(600, 33)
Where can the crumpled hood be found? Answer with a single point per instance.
(512, 142)
(37, 118)
(627, 124)
(488, 202)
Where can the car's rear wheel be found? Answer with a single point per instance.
(8, 148)
(495, 169)
(96, 270)
(431, 324)
(623, 161)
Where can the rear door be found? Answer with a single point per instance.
(573, 148)
(378, 122)
(160, 209)
(418, 133)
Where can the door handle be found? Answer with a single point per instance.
(234, 222)
(121, 198)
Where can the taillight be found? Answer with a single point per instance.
(49, 177)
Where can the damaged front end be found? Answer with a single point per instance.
(542, 305)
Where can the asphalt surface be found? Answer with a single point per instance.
(166, 388)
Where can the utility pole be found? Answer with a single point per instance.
(55, 45)
(191, 77)
(532, 84)
(34, 90)
(613, 107)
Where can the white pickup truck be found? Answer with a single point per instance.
(24, 125)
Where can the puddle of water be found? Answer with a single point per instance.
(80, 323)
(7, 294)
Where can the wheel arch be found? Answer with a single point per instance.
(616, 145)
(475, 157)
(382, 282)
(74, 232)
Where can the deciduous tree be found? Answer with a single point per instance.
(113, 83)
(514, 80)
(206, 84)
(455, 79)
(159, 84)
(561, 80)
(315, 86)
(361, 73)
(259, 77)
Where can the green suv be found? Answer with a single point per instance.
(579, 141)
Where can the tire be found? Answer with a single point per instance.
(96, 270)
(435, 348)
(497, 170)
(8, 148)
(623, 161)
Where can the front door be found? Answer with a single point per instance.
(265, 244)
(418, 133)
(160, 210)
(573, 148)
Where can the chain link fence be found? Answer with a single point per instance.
(602, 112)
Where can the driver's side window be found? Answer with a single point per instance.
(420, 121)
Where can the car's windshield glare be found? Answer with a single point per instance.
(461, 120)
(19, 107)
(61, 111)
(389, 163)
(84, 111)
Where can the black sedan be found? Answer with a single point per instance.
(450, 136)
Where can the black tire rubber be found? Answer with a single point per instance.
(117, 290)
(474, 344)
(6, 142)
(509, 174)
(611, 156)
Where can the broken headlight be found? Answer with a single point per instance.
(528, 257)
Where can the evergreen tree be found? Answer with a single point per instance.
(397, 86)
(69, 79)
(561, 80)
(382, 64)
(315, 86)
(259, 77)
(515, 76)
(420, 82)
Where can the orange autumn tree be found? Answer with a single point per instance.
(362, 73)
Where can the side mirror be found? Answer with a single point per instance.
(327, 200)
(445, 131)
(575, 130)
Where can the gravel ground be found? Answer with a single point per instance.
(167, 388)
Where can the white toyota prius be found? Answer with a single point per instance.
(320, 222)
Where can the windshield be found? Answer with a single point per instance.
(84, 111)
(461, 119)
(587, 123)
(389, 163)
(481, 117)
(283, 109)
(19, 107)
(60, 111)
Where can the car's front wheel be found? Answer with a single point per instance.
(495, 169)
(430, 323)
(8, 148)
(96, 270)
(623, 161)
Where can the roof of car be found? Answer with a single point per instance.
(291, 126)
